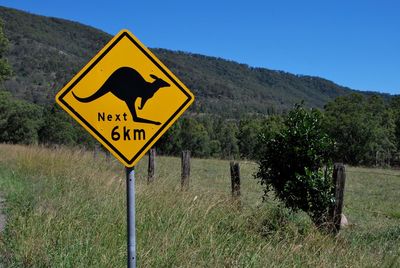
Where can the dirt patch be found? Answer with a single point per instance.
(2, 215)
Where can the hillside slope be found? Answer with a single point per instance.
(46, 52)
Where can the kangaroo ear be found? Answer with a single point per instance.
(154, 77)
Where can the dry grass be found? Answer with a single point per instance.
(67, 209)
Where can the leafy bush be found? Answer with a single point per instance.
(296, 163)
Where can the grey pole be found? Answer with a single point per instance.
(130, 203)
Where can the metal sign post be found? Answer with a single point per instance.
(131, 226)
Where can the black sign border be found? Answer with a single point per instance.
(76, 81)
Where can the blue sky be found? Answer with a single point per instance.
(353, 43)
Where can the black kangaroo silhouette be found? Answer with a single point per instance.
(128, 85)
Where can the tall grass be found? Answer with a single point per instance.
(67, 209)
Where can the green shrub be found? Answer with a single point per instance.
(296, 163)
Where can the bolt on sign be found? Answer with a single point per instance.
(126, 98)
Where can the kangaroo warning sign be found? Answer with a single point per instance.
(125, 97)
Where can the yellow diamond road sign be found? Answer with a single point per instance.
(126, 98)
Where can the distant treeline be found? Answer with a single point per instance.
(366, 130)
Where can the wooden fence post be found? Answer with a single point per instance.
(235, 179)
(185, 170)
(95, 151)
(151, 167)
(108, 154)
(339, 179)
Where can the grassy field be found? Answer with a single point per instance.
(67, 209)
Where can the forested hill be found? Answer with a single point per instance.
(46, 52)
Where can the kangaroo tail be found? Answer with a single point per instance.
(103, 90)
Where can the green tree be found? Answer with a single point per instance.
(57, 127)
(395, 107)
(170, 143)
(226, 133)
(296, 163)
(362, 127)
(212, 124)
(19, 120)
(249, 130)
(194, 137)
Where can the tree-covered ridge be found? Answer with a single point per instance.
(46, 52)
